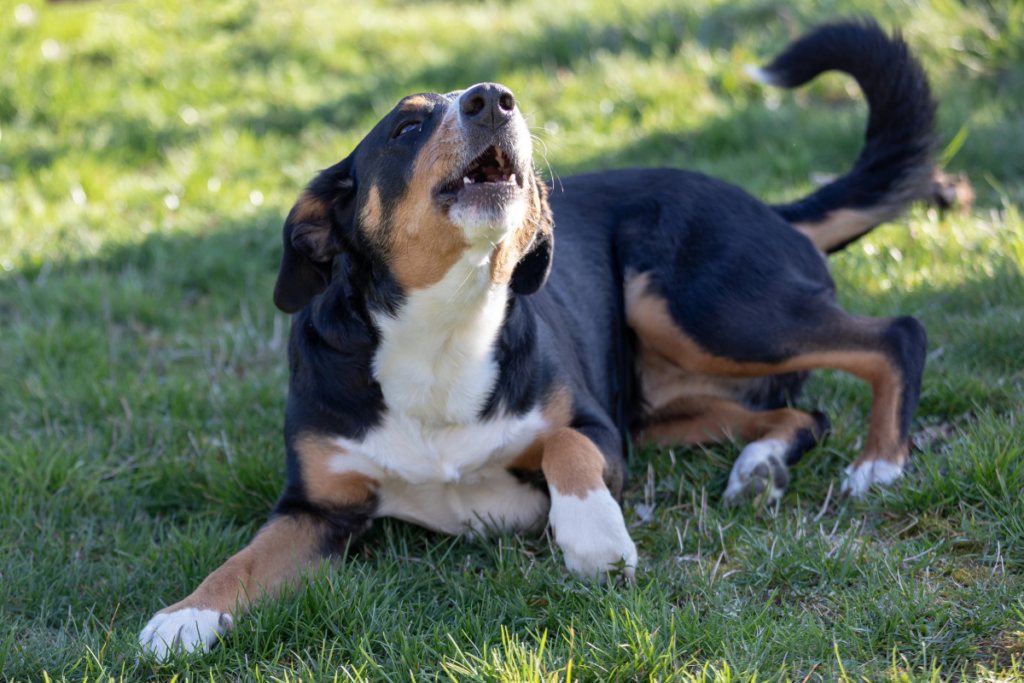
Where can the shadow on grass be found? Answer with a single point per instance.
(157, 280)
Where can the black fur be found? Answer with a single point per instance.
(522, 374)
(907, 344)
(806, 439)
(331, 352)
(337, 527)
(310, 247)
(774, 391)
(736, 276)
(533, 269)
(895, 165)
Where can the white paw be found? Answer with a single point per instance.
(186, 630)
(592, 534)
(860, 479)
(760, 469)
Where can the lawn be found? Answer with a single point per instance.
(149, 152)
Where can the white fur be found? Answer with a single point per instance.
(435, 362)
(760, 75)
(859, 480)
(451, 478)
(493, 500)
(186, 630)
(754, 454)
(438, 464)
(489, 225)
(592, 534)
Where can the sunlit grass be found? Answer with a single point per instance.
(148, 154)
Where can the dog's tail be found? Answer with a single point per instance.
(895, 166)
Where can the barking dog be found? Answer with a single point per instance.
(449, 367)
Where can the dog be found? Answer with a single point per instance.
(449, 367)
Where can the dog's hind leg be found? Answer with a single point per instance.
(888, 353)
(776, 439)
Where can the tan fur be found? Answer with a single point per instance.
(309, 209)
(324, 485)
(530, 459)
(841, 226)
(281, 551)
(423, 243)
(508, 252)
(662, 381)
(557, 414)
(426, 256)
(572, 464)
(414, 102)
(371, 215)
(649, 317)
(558, 408)
(700, 419)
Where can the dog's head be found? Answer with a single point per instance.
(440, 174)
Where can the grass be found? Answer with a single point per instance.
(148, 154)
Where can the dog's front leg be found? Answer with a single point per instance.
(587, 520)
(294, 541)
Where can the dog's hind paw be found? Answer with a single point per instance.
(760, 473)
(860, 478)
(185, 630)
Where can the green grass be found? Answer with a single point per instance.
(148, 154)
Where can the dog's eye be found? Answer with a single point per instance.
(407, 128)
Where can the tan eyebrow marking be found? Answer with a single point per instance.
(414, 102)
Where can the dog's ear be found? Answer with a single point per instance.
(313, 235)
(533, 268)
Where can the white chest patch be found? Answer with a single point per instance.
(435, 362)
(438, 464)
(451, 479)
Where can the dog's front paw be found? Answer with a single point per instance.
(188, 629)
(760, 473)
(592, 535)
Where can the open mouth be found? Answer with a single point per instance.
(491, 169)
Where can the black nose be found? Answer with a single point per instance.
(488, 104)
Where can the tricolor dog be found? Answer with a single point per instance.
(471, 347)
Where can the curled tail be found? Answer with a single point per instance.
(895, 166)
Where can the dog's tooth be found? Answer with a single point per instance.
(512, 178)
(466, 180)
